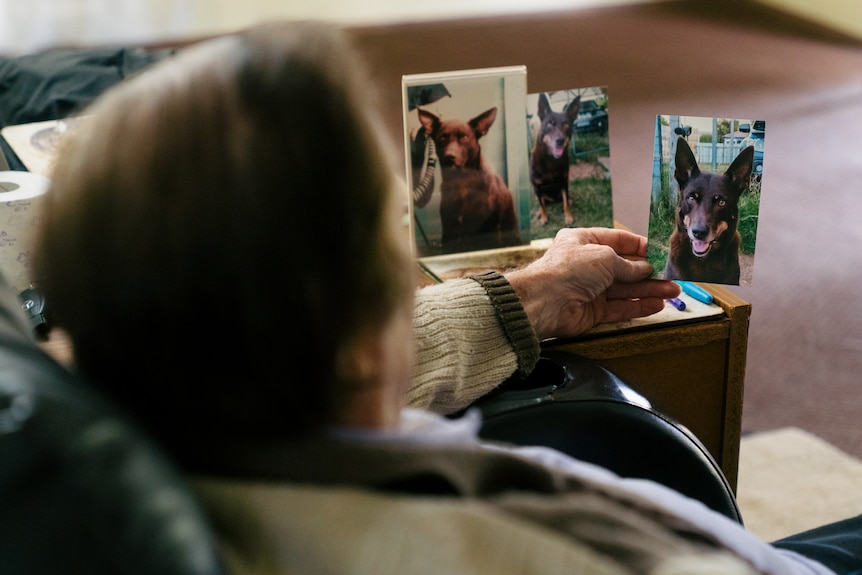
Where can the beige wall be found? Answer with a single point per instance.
(38, 24)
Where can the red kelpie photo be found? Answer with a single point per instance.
(549, 159)
(704, 245)
(476, 207)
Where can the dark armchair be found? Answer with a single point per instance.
(82, 490)
(576, 406)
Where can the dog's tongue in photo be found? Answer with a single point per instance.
(704, 235)
(699, 248)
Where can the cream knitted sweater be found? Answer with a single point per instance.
(470, 335)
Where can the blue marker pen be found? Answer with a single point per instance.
(695, 291)
(677, 303)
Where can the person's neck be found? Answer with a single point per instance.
(371, 409)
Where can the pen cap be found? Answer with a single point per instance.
(695, 291)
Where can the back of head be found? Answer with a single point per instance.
(220, 226)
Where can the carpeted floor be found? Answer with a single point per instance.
(791, 480)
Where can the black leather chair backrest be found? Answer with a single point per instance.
(82, 490)
(578, 407)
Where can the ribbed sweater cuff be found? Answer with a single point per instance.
(513, 318)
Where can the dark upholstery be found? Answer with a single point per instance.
(58, 83)
(576, 406)
(81, 489)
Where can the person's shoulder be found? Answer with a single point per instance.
(303, 528)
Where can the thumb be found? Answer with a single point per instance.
(632, 270)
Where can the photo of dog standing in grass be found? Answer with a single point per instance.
(697, 232)
(569, 155)
(549, 159)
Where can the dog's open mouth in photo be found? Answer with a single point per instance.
(556, 147)
(700, 248)
(703, 237)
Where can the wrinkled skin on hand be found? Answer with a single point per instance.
(589, 276)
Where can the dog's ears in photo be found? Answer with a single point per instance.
(740, 169)
(685, 163)
(572, 108)
(544, 106)
(482, 123)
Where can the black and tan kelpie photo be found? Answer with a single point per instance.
(549, 159)
(476, 207)
(704, 245)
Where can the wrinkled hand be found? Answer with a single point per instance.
(589, 276)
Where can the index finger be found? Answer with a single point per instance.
(624, 242)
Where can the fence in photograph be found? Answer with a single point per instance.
(723, 153)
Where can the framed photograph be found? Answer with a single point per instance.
(705, 202)
(570, 152)
(467, 160)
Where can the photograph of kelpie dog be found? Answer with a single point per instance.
(467, 160)
(569, 160)
(705, 203)
(549, 159)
